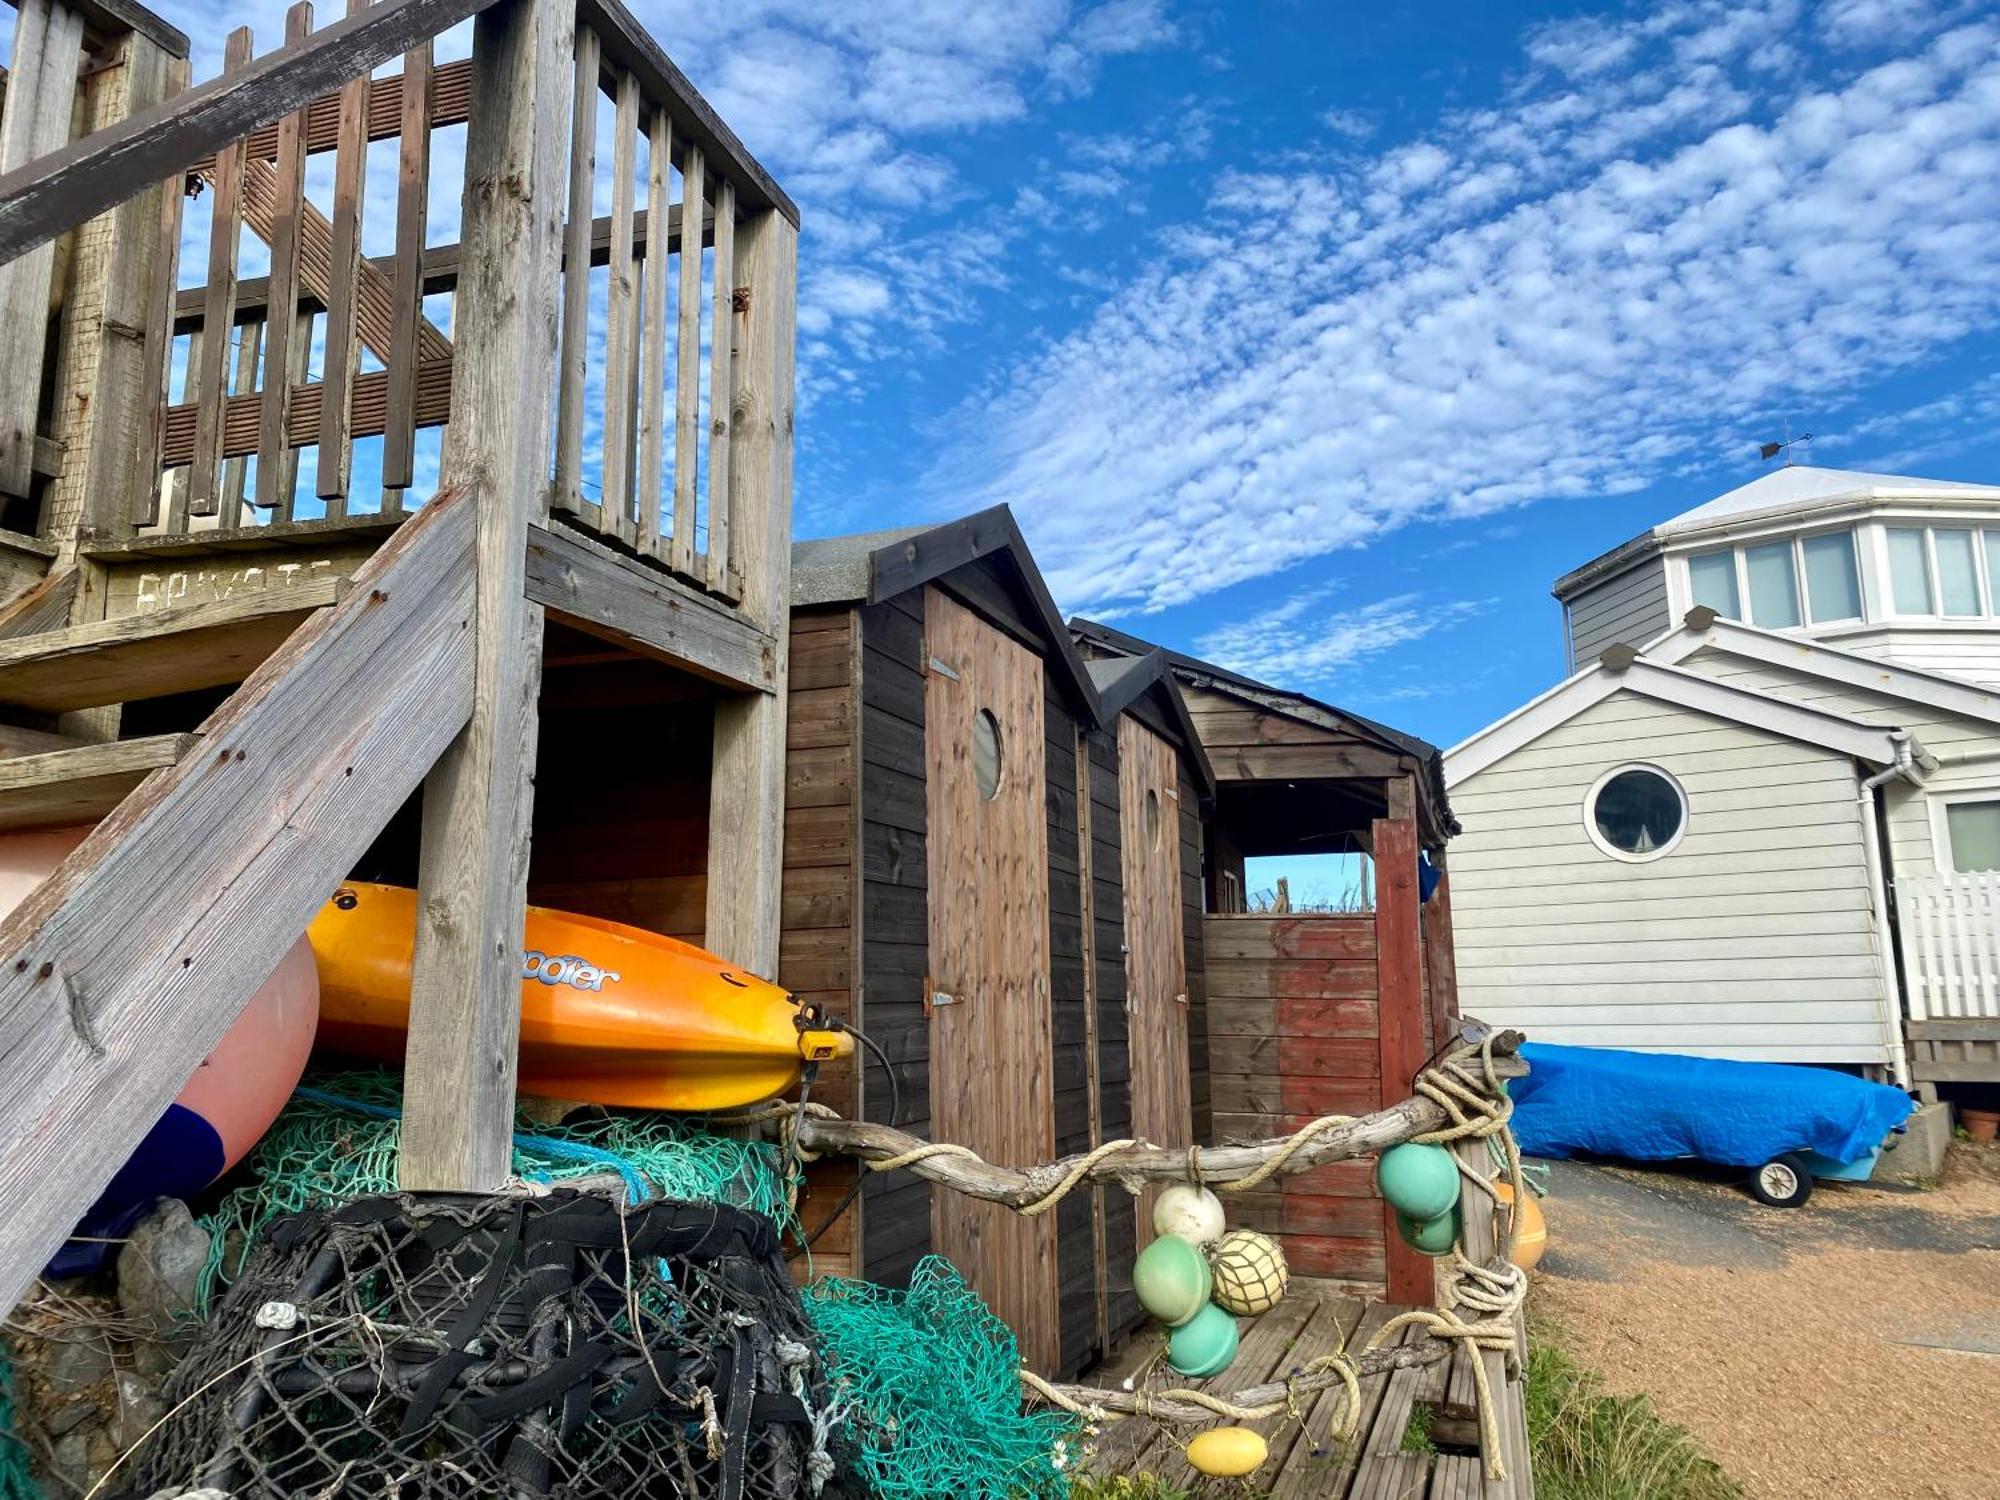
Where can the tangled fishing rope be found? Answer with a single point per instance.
(1467, 1087)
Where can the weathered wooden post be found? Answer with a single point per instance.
(1399, 980)
(465, 1005)
(41, 101)
(747, 782)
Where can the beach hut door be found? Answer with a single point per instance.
(991, 1045)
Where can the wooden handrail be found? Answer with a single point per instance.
(628, 45)
(45, 197)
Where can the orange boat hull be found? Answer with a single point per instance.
(610, 1014)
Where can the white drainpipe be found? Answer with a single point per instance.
(1903, 768)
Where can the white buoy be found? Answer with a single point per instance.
(1191, 1212)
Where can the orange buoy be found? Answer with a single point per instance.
(610, 1014)
(226, 1106)
(1534, 1236)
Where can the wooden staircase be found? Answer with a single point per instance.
(360, 657)
(130, 962)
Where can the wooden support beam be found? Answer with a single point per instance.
(106, 394)
(42, 198)
(1399, 1000)
(153, 655)
(41, 96)
(603, 593)
(81, 783)
(123, 970)
(747, 779)
(465, 993)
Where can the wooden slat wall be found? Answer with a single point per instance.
(1294, 1034)
(622, 836)
(1076, 1250)
(895, 946)
(1195, 970)
(1114, 1066)
(821, 917)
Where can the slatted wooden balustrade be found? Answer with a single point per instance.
(1951, 946)
(333, 347)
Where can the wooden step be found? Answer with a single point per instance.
(157, 654)
(81, 785)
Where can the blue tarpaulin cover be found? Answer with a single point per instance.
(1650, 1106)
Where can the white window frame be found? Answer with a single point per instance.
(1801, 596)
(1604, 845)
(1941, 825)
(1929, 528)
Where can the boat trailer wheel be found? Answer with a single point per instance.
(1782, 1182)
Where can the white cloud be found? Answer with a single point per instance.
(1303, 641)
(1351, 123)
(1565, 297)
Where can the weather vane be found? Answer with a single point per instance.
(1768, 451)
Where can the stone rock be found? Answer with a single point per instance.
(159, 1268)
(68, 1416)
(69, 1459)
(74, 1359)
(139, 1407)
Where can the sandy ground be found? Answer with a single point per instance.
(1847, 1348)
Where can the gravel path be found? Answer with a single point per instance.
(1848, 1348)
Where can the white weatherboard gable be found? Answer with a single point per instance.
(1753, 936)
(1668, 684)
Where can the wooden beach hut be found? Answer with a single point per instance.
(1314, 1013)
(932, 896)
(1141, 828)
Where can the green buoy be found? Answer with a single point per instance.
(1205, 1345)
(1419, 1180)
(1172, 1280)
(1432, 1237)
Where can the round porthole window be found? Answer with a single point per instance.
(986, 753)
(1636, 812)
(1152, 818)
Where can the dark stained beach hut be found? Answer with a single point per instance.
(1147, 782)
(933, 895)
(1324, 1012)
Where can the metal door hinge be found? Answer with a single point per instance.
(942, 670)
(934, 997)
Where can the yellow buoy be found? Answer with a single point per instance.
(1534, 1236)
(1227, 1452)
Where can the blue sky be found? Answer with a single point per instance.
(1319, 339)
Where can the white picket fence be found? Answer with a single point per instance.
(1951, 945)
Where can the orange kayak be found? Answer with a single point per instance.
(610, 1014)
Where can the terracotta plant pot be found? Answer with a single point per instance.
(1980, 1124)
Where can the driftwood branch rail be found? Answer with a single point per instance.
(1220, 1165)
(1161, 1406)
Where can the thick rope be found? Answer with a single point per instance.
(1467, 1087)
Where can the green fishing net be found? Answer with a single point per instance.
(935, 1401)
(336, 1140)
(15, 1481)
(932, 1401)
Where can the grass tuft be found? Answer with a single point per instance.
(1588, 1445)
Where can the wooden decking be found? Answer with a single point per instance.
(1316, 1318)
